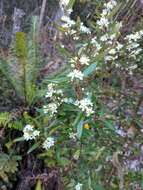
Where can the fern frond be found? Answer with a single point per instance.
(16, 125)
(8, 165)
(5, 118)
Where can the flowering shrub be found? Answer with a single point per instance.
(76, 125)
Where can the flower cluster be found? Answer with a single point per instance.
(84, 29)
(51, 108)
(114, 52)
(53, 91)
(82, 60)
(48, 143)
(104, 22)
(76, 74)
(54, 95)
(85, 105)
(30, 133)
(70, 26)
(68, 23)
(133, 46)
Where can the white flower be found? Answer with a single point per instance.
(76, 74)
(119, 46)
(93, 40)
(72, 31)
(68, 21)
(111, 4)
(110, 58)
(59, 92)
(76, 38)
(50, 91)
(103, 22)
(64, 2)
(51, 108)
(133, 45)
(62, 46)
(84, 60)
(74, 60)
(112, 51)
(133, 67)
(84, 29)
(66, 26)
(112, 37)
(98, 46)
(104, 12)
(85, 105)
(48, 143)
(30, 133)
(78, 186)
(135, 52)
(141, 32)
(36, 133)
(141, 130)
(28, 128)
(69, 11)
(104, 38)
(73, 135)
(134, 37)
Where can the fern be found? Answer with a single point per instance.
(5, 118)
(22, 65)
(8, 165)
(15, 125)
(7, 121)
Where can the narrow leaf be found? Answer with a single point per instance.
(79, 129)
(70, 4)
(89, 70)
(38, 185)
(34, 146)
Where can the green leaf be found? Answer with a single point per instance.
(5, 117)
(19, 139)
(34, 146)
(79, 129)
(39, 185)
(63, 161)
(109, 124)
(89, 70)
(77, 119)
(18, 125)
(70, 4)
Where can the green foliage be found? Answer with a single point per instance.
(8, 166)
(7, 121)
(5, 117)
(38, 186)
(87, 121)
(21, 67)
(20, 45)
